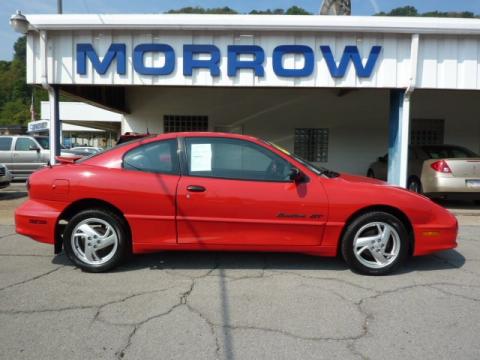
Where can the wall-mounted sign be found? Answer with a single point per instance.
(198, 56)
(38, 126)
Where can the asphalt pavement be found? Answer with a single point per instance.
(187, 305)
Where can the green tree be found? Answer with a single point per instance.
(412, 11)
(15, 94)
(295, 10)
(201, 10)
(268, 12)
(401, 11)
(14, 112)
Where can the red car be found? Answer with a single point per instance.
(213, 191)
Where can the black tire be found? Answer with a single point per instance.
(120, 228)
(348, 238)
(414, 184)
(370, 174)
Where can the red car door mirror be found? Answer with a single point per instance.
(296, 175)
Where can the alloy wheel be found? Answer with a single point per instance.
(376, 245)
(94, 241)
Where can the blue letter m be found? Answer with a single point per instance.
(85, 51)
(351, 53)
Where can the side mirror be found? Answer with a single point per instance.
(296, 175)
(34, 148)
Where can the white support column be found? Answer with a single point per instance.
(404, 139)
(399, 128)
(54, 131)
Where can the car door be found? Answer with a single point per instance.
(26, 156)
(237, 192)
(6, 151)
(150, 174)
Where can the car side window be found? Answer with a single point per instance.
(234, 159)
(25, 144)
(5, 143)
(156, 157)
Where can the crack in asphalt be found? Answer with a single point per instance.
(121, 352)
(6, 235)
(32, 279)
(446, 292)
(28, 255)
(350, 341)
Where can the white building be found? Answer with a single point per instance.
(81, 124)
(338, 90)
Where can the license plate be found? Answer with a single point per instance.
(473, 184)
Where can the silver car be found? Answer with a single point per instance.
(24, 154)
(5, 176)
(439, 171)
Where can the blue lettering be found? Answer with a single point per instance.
(189, 63)
(234, 63)
(139, 65)
(351, 53)
(192, 61)
(85, 51)
(280, 51)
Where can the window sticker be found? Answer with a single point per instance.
(201, 157)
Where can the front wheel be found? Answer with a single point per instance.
(96, 240)
(375, 243)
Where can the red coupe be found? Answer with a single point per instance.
(213, 191)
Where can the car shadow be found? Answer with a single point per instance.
(458, 204)
(196, 260)
(12, 195)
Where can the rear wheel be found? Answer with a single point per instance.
(370, 173)
(96, 240)
(375, 243)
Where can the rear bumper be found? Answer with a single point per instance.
(38, 219)
(437, 184)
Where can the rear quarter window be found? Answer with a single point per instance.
(157, 157)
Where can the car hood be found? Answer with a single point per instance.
(361, 179)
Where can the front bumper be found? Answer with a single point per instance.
(440, 234)
(37, 220)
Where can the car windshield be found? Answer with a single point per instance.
(449, 152)
(319, 170)
(45, 142)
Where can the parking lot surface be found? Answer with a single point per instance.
(189, 305)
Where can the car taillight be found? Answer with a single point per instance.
(441, 166)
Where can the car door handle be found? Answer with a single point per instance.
(195, 188)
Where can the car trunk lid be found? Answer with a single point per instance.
(465, 167)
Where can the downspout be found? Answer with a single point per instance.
(413, 64)
(405, 120)
(52, 97)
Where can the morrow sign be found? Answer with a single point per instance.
(206, 56)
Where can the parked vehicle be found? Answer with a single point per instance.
(438, 171)
(24, 154)
(83, 150)
(5, 176)
(214, 191)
